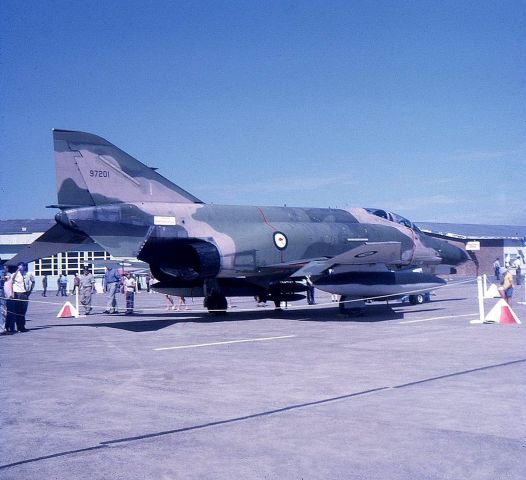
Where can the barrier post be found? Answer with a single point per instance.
(485, 282)
(480, 295)
(77, 300)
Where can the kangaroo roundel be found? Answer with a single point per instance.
(280, 240)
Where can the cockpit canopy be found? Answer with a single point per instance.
(393, 217)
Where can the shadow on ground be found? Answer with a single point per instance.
(148, 322)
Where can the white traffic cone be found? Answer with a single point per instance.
(502, 313)
(492, 292)
(68, 311)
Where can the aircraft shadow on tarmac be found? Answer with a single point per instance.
(449, 300)
(148, 322)
(129, 325)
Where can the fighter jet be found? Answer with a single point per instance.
(215, 251)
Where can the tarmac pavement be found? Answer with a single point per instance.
(405, 392)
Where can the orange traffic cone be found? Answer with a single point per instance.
(68, 311)
(502, 313)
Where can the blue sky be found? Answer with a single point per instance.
(415, 107)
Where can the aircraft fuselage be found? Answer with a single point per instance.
(247, 238)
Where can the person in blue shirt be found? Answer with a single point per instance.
(62, 283)
(496, 267)
(112, 282)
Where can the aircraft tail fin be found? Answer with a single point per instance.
(91, 171)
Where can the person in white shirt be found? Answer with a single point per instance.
(23, 284)
(9, 303)
(130, 285)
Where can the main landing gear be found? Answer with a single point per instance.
(351, 306)
(215, 302)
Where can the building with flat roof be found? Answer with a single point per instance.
(484, 244)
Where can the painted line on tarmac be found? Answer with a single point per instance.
(228, 421)
(463, 372)
(180, 347)
(439, 318)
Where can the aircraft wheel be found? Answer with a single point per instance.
(216, 304)
(342, 307)
(416, 299)
(351, 309)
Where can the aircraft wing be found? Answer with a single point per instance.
(292, 266)
(371, 254)
(57, 239)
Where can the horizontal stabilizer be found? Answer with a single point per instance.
(57, 239)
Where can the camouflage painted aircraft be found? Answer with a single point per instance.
(215, 251)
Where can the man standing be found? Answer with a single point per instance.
(23, 284)
(63, 284)
(44, 285)
(518, 270)
(76, 284)
(9, 303)
(86, 286)
(496, 267)
(507, 286)
(310, 291)
(3, 310)
(130, 285)
(112, 281)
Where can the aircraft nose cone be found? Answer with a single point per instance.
(452, 255)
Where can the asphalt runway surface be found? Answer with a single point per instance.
(405, 392)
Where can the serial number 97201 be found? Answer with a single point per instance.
(99, 173)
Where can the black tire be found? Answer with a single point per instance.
(416, 299)
(216, 304)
